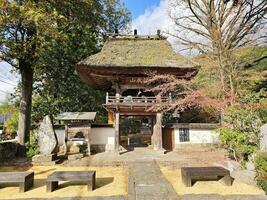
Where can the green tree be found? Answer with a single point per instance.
(117, 16)
(23, 28)
(58, 88)
(30, 28)
(241, 132)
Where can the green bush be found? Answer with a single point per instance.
(241, 134)
(32, 146)
(238, 144)
(261, 168)
(11, 125)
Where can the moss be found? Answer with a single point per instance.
(137, 52)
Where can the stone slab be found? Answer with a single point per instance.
(202, 197)
(51, 163)
(244, 176)
(75, 156)
(44, 158)
(246, 197)
(220, 197)
(147, 182)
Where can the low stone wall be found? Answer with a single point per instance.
(197, 146)
(98, 148)
(11, 150)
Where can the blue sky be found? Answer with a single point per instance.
(138, 7)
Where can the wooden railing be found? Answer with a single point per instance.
(113, 100)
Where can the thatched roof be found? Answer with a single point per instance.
(147, 51)
(125, 59)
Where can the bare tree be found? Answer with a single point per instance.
(218, 27)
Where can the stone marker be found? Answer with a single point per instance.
(263, 139)
(47, 137)
(47, 142)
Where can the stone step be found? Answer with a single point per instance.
(75, 156)
(49, 163)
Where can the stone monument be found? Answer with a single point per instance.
(263, 139)
(47, 142)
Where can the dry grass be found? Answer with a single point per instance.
(111, 181)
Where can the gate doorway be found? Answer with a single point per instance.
(135, 131)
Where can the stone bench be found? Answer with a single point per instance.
(192, 174)
(24, 179)
(87, 177)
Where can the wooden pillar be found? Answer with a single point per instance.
(66, 138)
(117, 132)
(66, 131)
(157, 133)
(107, 98)
(89, 140)
(111, 119)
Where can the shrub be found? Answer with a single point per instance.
(241, 134)
(261, 168)
(238, 144)
(11, 125)
(32, 146)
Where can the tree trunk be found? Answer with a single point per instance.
(24, 125)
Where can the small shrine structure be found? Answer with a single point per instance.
(77, 126)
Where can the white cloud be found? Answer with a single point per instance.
(153, 19)
(8, 81)
(157, 17)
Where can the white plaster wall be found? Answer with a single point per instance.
(60, 133)
(200, 136)
(103, 136)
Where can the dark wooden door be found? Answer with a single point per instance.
(167, 139)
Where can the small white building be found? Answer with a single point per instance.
(194, 135)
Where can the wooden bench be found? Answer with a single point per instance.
(73, 176)
(24, 179)
(192, 174)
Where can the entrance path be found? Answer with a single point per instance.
(147, 182)
(177, 158)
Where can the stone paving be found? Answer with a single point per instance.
(147, 183)
(175, 158)
(220, 197)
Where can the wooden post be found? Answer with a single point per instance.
(66, 138)
(111, 119)
(66, 131)
(107, 96)
(117, 132)
(157, 133)
(89, 140)
(118, 98)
